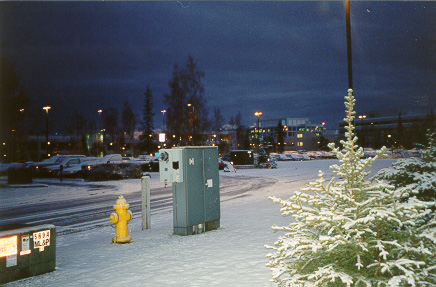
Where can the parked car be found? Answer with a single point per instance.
(110, 158)
(54, 160)
(75, 170)
(141, 162)
(50, 161)
(221, 164)
(282, 157)
(67, 164)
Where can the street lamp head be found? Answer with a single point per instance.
(21, 110)
(46, 109)
(258, 114)
(100, 111)
(163, 111)
(189, 105)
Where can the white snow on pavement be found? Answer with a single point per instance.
(233, 255)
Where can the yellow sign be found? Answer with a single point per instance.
(8, 246)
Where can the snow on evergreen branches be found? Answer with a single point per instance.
(353, 232)
(415, 176)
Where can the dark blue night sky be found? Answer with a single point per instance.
(286, 59)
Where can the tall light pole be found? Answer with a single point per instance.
(163, 119)
(22, 121)
(348, 23)
(258, 127)
(193, 119)
(362, 142)
(46, 108)
(101, 131)
(99, 115)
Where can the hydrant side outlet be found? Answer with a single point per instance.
(113, 218)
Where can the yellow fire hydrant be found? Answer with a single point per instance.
(120, 219)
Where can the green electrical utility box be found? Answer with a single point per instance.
(193, 172)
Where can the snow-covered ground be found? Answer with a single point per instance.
(233, 255)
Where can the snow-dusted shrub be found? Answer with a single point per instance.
(113, 171)
(416, 176)
(353, 232)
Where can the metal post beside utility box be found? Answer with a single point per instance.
(26, 251)
(193, 172)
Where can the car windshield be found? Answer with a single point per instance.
(59, 160)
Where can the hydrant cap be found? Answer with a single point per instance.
(121, 202)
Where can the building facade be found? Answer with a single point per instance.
(298, 133)
(393, 131)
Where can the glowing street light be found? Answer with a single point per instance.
(22, 121)
(193, 119)
(163, 119)
(46, 108)
(362, 142)
(99, 115)
(258, 114)
(101, 130)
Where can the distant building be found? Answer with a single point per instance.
(299, 133)
(228, 135)
(398, 131)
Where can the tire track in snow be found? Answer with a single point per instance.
(88, 213)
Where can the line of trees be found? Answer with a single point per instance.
(187, 113)
(13, 102)
(186, 117)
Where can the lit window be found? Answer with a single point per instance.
(300, 143)
(299, 136)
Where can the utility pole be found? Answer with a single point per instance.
(348, 23)
(46, 108)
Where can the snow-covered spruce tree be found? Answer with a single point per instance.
(353, 232)
(415, 175)
(263, 160)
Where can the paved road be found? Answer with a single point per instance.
(88, 213)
